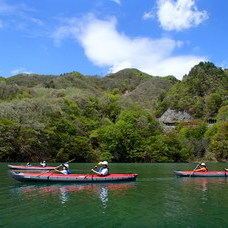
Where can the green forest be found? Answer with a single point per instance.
(116, 118)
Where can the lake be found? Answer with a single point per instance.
(156, 199)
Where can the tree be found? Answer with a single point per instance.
(218, 135)
(213, 103)
(8, 141)
(125, 139)
(223, 114)
(164, 148)
(192, 134)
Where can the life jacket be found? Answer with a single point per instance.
(101, 168)
(204, 169)
(68, 171)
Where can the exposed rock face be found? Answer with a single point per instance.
(173, 116)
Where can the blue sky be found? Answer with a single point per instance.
(97, 37)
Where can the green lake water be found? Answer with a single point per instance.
(156, 199)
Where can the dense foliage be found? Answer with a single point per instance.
(201, 93)
(90, 118)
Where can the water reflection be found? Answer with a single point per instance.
(202, 184)
(65, 191)
(103, 195)
(64, 195)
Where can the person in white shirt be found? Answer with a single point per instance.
(43, 164)
(65, 169)
(103, 171)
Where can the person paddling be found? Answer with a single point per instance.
(103, 170)
(43, 164)
(65, 169)
(202, 168)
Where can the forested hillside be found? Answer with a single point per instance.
(202, 92)
(89, 118)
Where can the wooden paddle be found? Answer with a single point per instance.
(194, 169)
(225, 171)
(95, 167)
(49, 171)
(64, 163)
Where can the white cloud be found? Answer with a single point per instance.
(104, 46)
(179, 15)
(19, 71)
(148, 15)
(71, 29)
(116, 1)
(6, 8)
(36, 21)
(13, 8)
(17, 16)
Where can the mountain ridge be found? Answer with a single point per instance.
(90, 118)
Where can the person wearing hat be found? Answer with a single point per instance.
(65, 169)
(103, 170)
(43, 164)
(202, 168)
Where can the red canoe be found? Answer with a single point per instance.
(53, 177)
(201, 174)
(24, 167)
